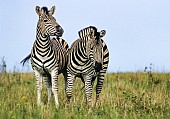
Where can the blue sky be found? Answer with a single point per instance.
(138, 31)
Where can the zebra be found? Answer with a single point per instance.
(88, 58)
(48, 56)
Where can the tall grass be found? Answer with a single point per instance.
(124, 95)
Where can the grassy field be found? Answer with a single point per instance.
(124, 96)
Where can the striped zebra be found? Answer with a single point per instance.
(48, 56)
(88, 58)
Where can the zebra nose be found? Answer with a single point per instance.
(58, 30)
(61, 30)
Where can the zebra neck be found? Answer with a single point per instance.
(42, 39)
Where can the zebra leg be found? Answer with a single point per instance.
(38, 77)
(92, 81)
(88, 89)
(99, 85)
(70, 80)
(47, 81)
(54, 80)
(65, 80)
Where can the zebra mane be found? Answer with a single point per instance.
(45, 9)
(86, 31)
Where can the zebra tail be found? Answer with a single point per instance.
(25, 60)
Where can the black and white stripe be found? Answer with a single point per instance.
(48, 56)
(88, 58)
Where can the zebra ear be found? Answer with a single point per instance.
(38, 10)
(102, 33)
(52, 10)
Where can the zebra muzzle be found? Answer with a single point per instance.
(60, 31)
(98, 66)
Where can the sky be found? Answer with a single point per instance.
(137, 31)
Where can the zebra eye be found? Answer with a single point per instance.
(45, 20)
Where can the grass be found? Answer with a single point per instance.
(124, 96)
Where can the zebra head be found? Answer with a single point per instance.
(88, 34)
(98, 50)
(94, 47)
(47, 23)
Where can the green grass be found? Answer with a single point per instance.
(124, 96)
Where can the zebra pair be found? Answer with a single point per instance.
(49, 57)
